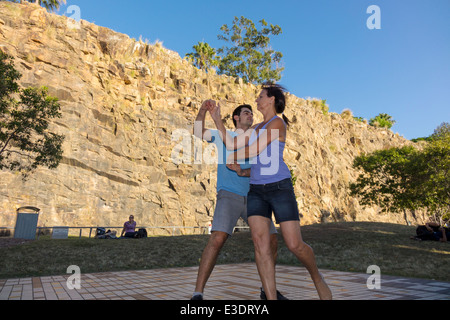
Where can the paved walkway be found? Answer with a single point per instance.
(228, 282)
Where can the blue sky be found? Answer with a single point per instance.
(402, 69)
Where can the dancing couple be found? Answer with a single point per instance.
(253, 181)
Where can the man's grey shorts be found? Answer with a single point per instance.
(229, 207)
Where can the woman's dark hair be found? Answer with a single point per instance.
(277, 91)
(238, 110)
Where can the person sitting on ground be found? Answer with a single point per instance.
(431, 231)
(444, 233)
(129, 228)
(101, 234)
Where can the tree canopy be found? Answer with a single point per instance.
(48, 4)
(25, 141)
(405, 178)
(383, 120)
(247, 54)
(204, 56)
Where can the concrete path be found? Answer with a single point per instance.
(228, 282)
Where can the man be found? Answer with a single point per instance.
(232, 188)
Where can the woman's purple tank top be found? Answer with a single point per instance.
(268, 166)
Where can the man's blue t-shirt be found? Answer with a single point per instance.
(228, 179)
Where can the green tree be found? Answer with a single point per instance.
(204, 56)
(383, 181)
(406, 178)
(48, 4)
(383, 120)
(441, 132)
(249, 54)
(435, 161)
(25, 142)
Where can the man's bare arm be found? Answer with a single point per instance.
(230, 142)
(199, 125)
(240, 172)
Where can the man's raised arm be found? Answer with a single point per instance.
(199, 125)
(230, 142)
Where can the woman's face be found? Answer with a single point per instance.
(263, 101)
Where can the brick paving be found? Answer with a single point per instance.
(228, 282)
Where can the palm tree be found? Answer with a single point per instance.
(48, 4)
(382, 120)
(51, 4)
(204, 56)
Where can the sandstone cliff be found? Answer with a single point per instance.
(123, 101)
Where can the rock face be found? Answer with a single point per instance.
(128, 107)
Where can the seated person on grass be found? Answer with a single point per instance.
(129, 228)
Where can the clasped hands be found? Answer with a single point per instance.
(213, 108)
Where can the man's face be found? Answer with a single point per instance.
(245, 118)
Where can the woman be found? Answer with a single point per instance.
(129, 228)
(271, 189)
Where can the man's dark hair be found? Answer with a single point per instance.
(238, 110)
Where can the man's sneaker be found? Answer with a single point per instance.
(197, 297)
(279, 295)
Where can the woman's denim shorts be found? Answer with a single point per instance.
(277, 197)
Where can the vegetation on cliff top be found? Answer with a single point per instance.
(248, 55)
(48, 4)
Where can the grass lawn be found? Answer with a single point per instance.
(350, 246)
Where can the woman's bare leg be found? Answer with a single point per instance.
(265, 263)
(293, 238)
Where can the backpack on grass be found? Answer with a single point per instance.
(100, 231)
(142, 233)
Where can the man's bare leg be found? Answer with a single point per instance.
(209, 258)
